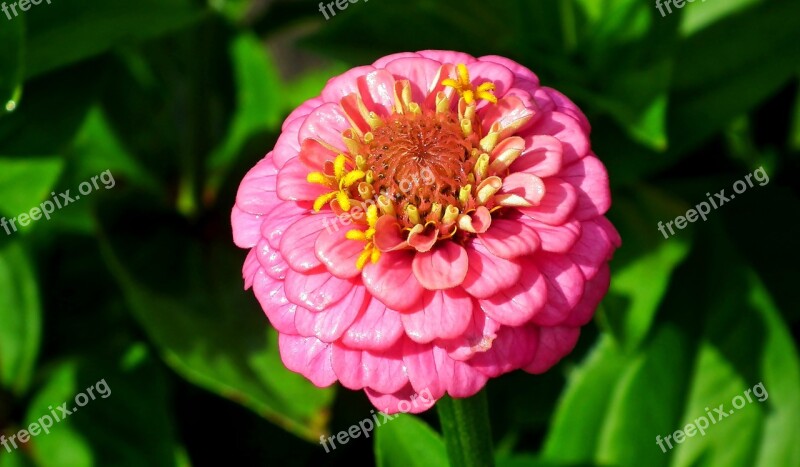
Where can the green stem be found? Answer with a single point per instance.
(467, 434)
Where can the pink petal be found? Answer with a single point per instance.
(517, 304)
(246, 228)
(277, 221)
(392, 281)
(514, 348)
(420, 72)
(565, 284)
(316, 290)
(344, 84)
(298, 244)
(509, 112)
(566, 129)
(279, 310)
(596, 289)
(590, 179)
(314, 154)
(293, 186)
(483, 71)
(550, 99)
(519, 71)
(302, 111)
(554, 344)
(250, 268)
(527, 186)
(442, 314)
(385, 61)
(338, 253)
(555, 238)
(447, 56)
(388, 234)
(542, 157)
(509, 239)
(377, 91)
(402, 401)
(489, 274)
(557, 205)
(309, 357)
(271, 260)
(594, 248)
(329, 325)
(375, 328)
(443, 267)
(382, 371)
(326, 123)
(431, 369)
(256, 193)
(288, 145)
(478, 337)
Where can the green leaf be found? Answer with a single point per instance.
(586, 399)
(258, 100)
(21, 317)
(127, 423)
(212, 333)
(407, 441)
(711, 93)
(60, 33)
(24, 184)
(646, 257)
(11, 56)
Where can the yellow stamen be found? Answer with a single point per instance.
(463, 86)
(340, 183)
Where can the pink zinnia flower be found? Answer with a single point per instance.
(427, 223)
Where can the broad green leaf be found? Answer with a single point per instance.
(407, 441)
(25, 184)
(628, 433)
(755, 52)
(646, 258)
(127, 422)
(11, 57)
(214, 334)
(702, 13)
(586, 399)
(20, 318)
(61, 33)
(258, 100)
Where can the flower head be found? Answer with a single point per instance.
(427, 223)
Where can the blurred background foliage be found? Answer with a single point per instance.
(140, 284)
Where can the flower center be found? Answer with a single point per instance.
(425, 175)
(419, 160)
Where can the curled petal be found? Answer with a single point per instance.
(558, 204)
(441, 314)
(518, 304)
(338, 253)
(590, 179)
(514, 348)
(488, 274)
(509, 239)
(330, 324)
(279, 310)
(566, 129)
(554, 344)
(308, 356)
(298, 242)
(315, 290)
(392, 281)
(376, 328)
(565, 284)
(405, 400)
(381, 371)
(442, 268)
